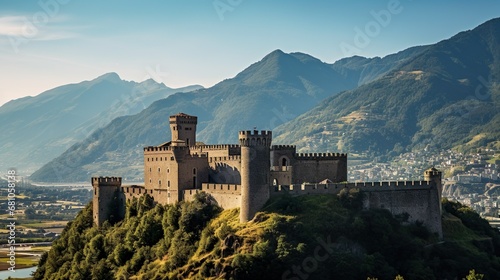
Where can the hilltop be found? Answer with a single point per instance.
(316, 236)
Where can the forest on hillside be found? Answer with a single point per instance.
(320, 237)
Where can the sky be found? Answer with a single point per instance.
(48, 43)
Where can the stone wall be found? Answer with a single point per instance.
(419, 199)
(227, 195)
(318, 167)
(420, 204)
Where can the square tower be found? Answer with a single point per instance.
(183, 129)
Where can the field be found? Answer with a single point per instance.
(25, 256)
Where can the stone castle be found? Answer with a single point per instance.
(247, 174)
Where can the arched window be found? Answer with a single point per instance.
(284, 161)
(275, 182)
(194, 171)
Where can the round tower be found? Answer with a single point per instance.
(255, 167)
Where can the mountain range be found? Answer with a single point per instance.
(38, 129)
(266, 94)
(443, 95)
(447, 96)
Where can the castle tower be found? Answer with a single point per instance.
(183, 129)
(255, 170)
(107, 205)
(433, 175)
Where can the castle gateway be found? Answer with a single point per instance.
(247, 174)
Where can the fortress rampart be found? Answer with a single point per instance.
(222, 188)
(227, 195)
(283, 147)
(335, 188)
(165, 148)
(419, 199)
(224, 159)
(319, 156)
(217, 147)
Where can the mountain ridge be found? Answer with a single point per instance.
(41, 127)
(263, 95)
(435, 96)
(378, 106)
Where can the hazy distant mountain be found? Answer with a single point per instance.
(266, 94)
(446, 96)
(38, 129)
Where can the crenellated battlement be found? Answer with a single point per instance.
(164, 148)
(334, 188)
(182, 118)
(432, 172)
(217, 147)
(254, 133)
(226, 158)
(107, 181)
(221, 188)
(313, 156)
(255, 138)
(393, 184)
(283, 147)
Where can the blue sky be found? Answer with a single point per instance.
(47, 43)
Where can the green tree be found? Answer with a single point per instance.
(30, 213)
(474, 276)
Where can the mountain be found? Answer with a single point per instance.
(266, 94)
(447, 96)
(37, 129)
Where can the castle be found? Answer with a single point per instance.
(246, 175)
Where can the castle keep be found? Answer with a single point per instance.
(247, 174)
